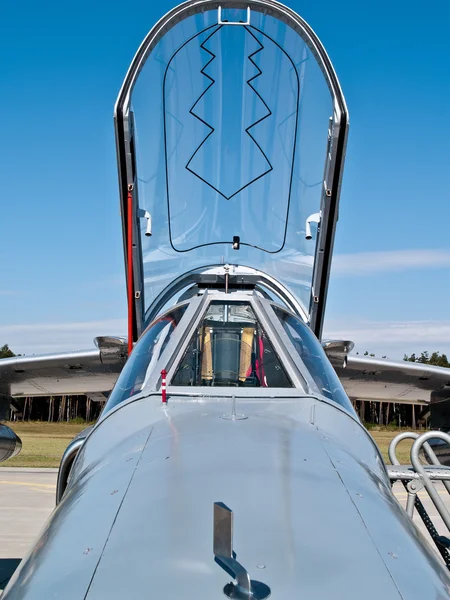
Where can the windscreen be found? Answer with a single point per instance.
(314, 358)
(144, 357)
(230, 130)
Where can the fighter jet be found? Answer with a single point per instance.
(228, 459)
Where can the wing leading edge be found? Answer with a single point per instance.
(368, 378)
(79, 372)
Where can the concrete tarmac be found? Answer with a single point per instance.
(27, 497)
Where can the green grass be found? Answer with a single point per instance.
(383, 436)
(44, 443)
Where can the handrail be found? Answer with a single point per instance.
(415, 461)
(417, 476)
(411, 436)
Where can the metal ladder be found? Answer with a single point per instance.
(417, 476)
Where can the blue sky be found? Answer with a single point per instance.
(61, 248)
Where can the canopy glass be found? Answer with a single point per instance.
(230, 131)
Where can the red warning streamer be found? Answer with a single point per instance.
(163, 386)
(130, 266)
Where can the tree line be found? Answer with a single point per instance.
(435, 358)
(57, 409)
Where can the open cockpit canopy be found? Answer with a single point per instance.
(231, 130)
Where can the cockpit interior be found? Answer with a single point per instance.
(221, 343)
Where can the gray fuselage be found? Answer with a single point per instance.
(308, 487)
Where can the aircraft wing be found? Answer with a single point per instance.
(369, 378)
(81, 372)
(95, 371)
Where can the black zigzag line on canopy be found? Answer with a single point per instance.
(247, 130)
(243, 243)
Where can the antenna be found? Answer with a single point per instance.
(244, 588)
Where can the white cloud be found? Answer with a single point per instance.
(381, 262)
(392, 338)
(383, 338)
(42, 338)
(111, 281)
(10, 293)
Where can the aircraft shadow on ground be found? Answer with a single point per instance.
(7, 568)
